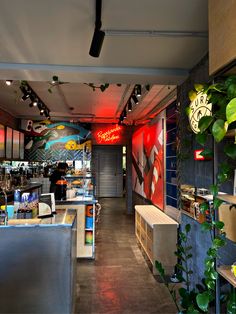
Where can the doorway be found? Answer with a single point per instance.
(107, 163)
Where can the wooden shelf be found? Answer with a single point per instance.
(227, 198)
(225, 271)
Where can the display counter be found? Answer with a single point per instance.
(38, 265)
(85, 207)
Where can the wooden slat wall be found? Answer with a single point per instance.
(222, 34)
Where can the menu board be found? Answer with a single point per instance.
(22, 139)
(2, 141)
(16, 145)
(8, 143)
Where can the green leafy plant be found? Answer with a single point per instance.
(186, 300)
(222, 95)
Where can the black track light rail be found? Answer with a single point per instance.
(98, 21)
(28, 90)
(136, 92)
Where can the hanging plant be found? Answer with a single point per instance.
(222, 96)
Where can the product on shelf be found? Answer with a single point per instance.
(88, 237)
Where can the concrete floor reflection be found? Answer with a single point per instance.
(119, 280)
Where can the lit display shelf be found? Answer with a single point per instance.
(225, 271)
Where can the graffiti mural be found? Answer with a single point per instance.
(56, 141)
(148, 163)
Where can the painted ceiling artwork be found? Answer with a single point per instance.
(57, 141)
(148, 163)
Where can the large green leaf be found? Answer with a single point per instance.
(208, 153)
(230, 150)
(216, 203)
(192, 95)
(214, 189)
(204, 123)
(231, 91)
(204, 207)
(218, 242)
(201, 138)
(230, 80)
(219, 224)
(187, 228)
(203, 301)
(219, 129)
(187, 111)
(205, 226)
(231, 111)
(198, 87)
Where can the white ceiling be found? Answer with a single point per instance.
(146, 42)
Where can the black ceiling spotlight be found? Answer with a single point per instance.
(124, 113)
(98, 35)
(135, 99)
(138, 90)
(129, 105)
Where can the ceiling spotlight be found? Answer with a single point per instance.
(138, 90)
(35, 103)
(55, 79)
(129, 106)
(98, 35)
(9, 82)
(135, 99)
(97, 42)
(24, 97)
(124, 114)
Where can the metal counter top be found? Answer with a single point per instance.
(79, 200)
(63, 218)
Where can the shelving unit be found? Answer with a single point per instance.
(171, 187)
(157, 234)
(227, 198)
(84, 203)
(225, 271)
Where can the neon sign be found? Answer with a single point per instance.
(109, 135)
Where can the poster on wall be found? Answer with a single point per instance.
(16, 145)
(9, 143)
(148, 162)
(2, 141)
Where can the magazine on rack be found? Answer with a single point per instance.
(47, 205)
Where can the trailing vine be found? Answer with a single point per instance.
(222, 96)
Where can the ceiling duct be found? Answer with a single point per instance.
(98, 35)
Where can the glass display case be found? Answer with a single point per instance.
(80, 187)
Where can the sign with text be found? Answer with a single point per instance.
(109, 135)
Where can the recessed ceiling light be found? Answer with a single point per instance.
(9, 82)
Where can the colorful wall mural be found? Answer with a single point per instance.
(148, 162)
(46, 140)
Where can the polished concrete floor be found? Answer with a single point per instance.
(119, 281)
